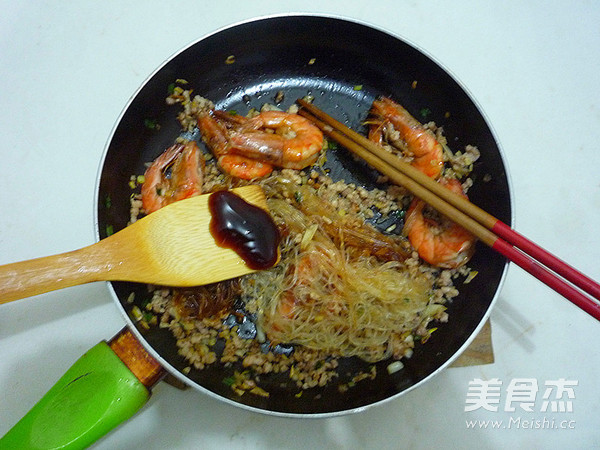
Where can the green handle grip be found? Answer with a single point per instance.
(95, 395)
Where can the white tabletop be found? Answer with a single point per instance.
(66, 73)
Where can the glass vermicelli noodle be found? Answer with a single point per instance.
(323, 296)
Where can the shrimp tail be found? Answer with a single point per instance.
(420, 143)
(214, 134)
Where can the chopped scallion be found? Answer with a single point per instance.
(151, 124)
(395, 367)
(136, 313)
(472, 274)
(397, 214)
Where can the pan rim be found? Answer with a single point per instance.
(183, 378)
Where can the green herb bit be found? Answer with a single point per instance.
(151, 124)
(332, 145)
(107, 202)
(109, 230)
(171, 88)
(425, 112)
(229, 381)
(259, 391)
(472, 274)
(397, 214)
(298, 196)
(358, 87)
(136, 314)
(428, 335)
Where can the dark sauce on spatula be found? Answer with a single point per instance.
(244, 228)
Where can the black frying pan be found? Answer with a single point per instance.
(351, 65)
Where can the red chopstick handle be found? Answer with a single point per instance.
(550, 279)
(566, 271)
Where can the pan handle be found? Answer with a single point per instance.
(96, 394)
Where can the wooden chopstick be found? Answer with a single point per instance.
(487, 228)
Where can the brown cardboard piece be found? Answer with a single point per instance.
(480, 351)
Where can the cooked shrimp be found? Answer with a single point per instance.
(279, 138)
(439, 241)
(414, 140)
(245, 168)
(216, 137)
(176, 174)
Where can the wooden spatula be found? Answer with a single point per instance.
(172, 246)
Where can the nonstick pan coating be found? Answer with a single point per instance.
(345, 65)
